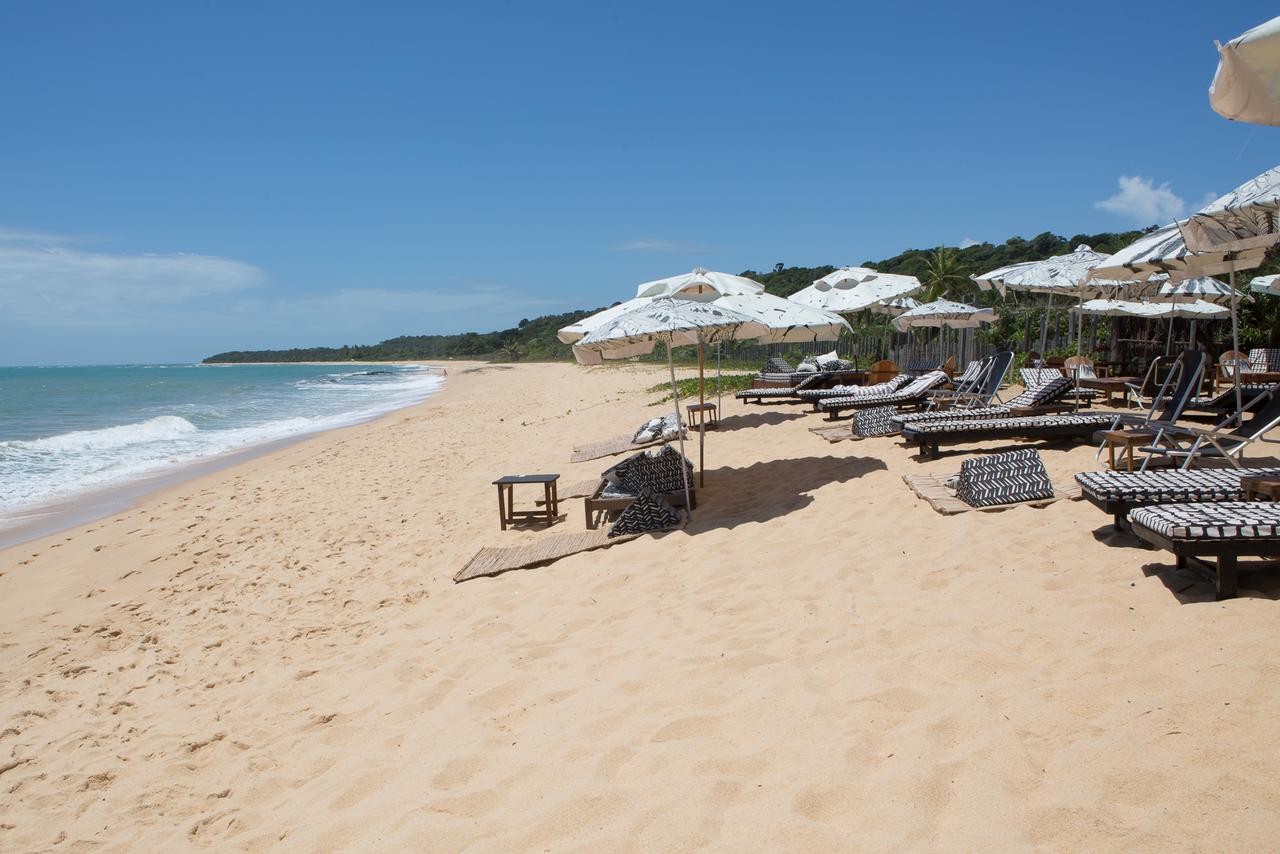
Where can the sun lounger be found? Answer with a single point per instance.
(1036, 401)
(1179, 386)
(983, 389)
(1225, 400)
(811, 380)
(1119, 492)
(1036, 377)
(914, 393)
(929, 436)
(888, 387)
(1220, 442)
(1226, 531)
(1264, 360)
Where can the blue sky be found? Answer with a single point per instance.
(180, 178)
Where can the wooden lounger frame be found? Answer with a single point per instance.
(929, 443)
(1227, 551)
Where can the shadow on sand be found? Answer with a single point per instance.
(755, 419)
(1191, 586)
(768, 490)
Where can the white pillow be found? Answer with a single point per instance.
(827, 358)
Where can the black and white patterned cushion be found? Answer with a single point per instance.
(874, 422)
(1036, 377)
(1168, 486)
(658, 472)
(1046, 393)
(1029, 422)
(1264, 359)
(1003, 479)
(646, 513)
(777, 365)
(1228, 520)
(909, 393)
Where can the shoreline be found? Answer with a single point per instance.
(30, 524)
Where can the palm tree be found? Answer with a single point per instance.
(943, 271)
(510, 352)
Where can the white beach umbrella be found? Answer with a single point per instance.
(894, 306)
(854, 289)
(1246, 87)
(1201, 288)
(1266, 285)
(700, 284)
(1058, 274)
(1197, 310)
(674, 322)
(946, 314)
(1244, 219)
(1165, 251)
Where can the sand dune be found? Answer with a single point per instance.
(275, 657)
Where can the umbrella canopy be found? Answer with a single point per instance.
(1266, 285)
(1246, 87)
(1242, 220)
(700, 284)
(894, 306)
(672, 321)
(1202, 288)
(1198, 310)
(944, 313)
(858, 290)
(1061, 274)
(1165, 251)
(579, 330)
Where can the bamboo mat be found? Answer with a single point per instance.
(607, 448)
(497, 560)
(581, 489)
(933, 489)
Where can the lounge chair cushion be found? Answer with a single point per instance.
(1029, 422)
(646, 513)
(1003, 479)
(777, 365)
(1219, 521)
(1169, 486)
(1264, 359)
(657, 472)
(874, 422)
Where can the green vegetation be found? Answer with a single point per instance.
(943, 269)
(688, 388)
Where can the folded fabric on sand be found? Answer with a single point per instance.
(666, 427)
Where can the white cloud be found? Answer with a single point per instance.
(60, 305)
(57, 285)
(21, 235)
(969, 241)
(1140, 200)
(657, 244)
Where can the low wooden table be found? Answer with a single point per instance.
(1110, 385)
(1260, 377)
(507, 515)
(1127, 440)
(701, 410)
(1259, 487)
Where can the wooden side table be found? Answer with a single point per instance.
(508, 515)
(1260, 487)
(1126, 440)
(700, 410)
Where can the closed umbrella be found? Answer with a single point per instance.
(1246, 87)
(674, 322)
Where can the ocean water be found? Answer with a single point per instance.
(65, 431)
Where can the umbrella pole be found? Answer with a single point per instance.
(1235, 345)
(702, 380)
(702, 417)
(1044, 329)
(684, 470)
(1168, 339)
(717, 378)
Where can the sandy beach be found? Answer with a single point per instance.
(275, 657)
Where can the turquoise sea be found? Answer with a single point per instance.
(66, 431)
